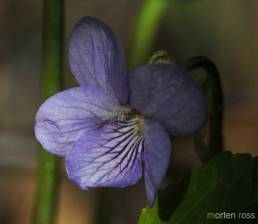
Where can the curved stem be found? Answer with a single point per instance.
(148, 21)
(48, 167)
(215, 143)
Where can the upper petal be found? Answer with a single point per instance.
(107, 157)
(96, 57)
(66, 116)
(169, 95)
(157, 149)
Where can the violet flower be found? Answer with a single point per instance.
(114, 128)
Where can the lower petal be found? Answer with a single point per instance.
(157, 149)
(107, 157)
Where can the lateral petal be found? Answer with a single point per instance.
(65, 117)
(157, 150)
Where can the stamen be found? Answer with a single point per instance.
(127, 116)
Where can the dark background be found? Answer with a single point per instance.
(224, 31)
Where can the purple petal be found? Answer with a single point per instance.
(169, 95)
(157, 149)
(107, 157)
(68, 115)
(96, 57)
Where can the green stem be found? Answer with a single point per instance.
(148, 21)
(215, 143)
(48, 167)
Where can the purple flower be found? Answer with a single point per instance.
(115, 127)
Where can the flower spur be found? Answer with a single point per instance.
(114, 128)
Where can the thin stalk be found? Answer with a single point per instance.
(146, 28)
(215, 143)
(48, 165)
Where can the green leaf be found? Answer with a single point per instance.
(150, 216)
(226, 183)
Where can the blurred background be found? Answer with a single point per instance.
(224, 31)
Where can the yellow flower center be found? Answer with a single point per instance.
(138, 127)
